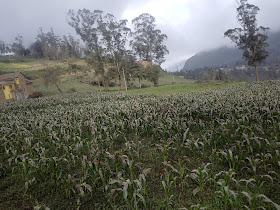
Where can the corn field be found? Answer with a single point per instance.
(216, 149)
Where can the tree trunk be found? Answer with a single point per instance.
(257, 74)
(140, 85)
(255, 63)
(99, 86)
(124, 80)
(120, 78)
(104, 85)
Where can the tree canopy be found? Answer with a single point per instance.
(106, 41)
(249, 38)
(148, 42)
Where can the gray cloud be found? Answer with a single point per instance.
(191, 25)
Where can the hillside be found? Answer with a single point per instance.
(225, 56)
(74, 77)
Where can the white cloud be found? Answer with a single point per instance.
(173, 12)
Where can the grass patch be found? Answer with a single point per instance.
(183, 88)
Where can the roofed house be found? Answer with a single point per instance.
(14, 86)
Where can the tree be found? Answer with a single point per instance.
(52, 46)
(153, 72)
(140, 73)
(86, 25)
(17, 46)
(2, 47)
(48, 44)
(52, 76)
(37, 49)
(147, 40)
(72, 46)
(105, 39)
(114, 37)
(132, 69)
(249, 38)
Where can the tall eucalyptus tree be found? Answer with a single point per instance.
(115, 37)
(250, 38)
(148, 41)
(87, 23)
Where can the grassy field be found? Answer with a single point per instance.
(214, 149)
(183, 88)
(75, 79)
(79, 80)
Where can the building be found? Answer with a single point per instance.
(7, 54)
(14, 86)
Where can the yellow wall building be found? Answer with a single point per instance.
(14, 86)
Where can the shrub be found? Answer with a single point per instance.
(112, 84)
(36, 94)
(74, 67)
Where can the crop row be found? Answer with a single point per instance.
(213, 149)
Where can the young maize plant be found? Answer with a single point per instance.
(215, 149)
(201, 177)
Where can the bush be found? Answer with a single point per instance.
(36, 94)
(95, 83)
(112, 84)
(75, 67)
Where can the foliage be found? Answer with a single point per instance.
(152, 73)
(71, 47)
(17, 46)
(52, 76)
(250, 38)
(4, 48)
(114, 36)
(148, 41)
(37, 49)
(87, 25)
(36, 94)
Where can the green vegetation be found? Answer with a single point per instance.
(250, 38)
(183, 88)
(29, 66)
(215, 149)
(77, 76)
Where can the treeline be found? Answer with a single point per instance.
(107, 44)
(47, 45)
(238, 73)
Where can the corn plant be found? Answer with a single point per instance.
(167, 185)
(200, 176)
(226, 195)
(91, 150)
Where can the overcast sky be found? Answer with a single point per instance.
(191, 25)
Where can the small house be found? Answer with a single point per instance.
(14, 86)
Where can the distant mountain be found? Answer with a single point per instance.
(274, 47)
(176, 67)
(226, 56)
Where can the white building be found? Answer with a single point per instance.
(7, 54)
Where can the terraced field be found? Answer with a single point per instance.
(215, 149)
